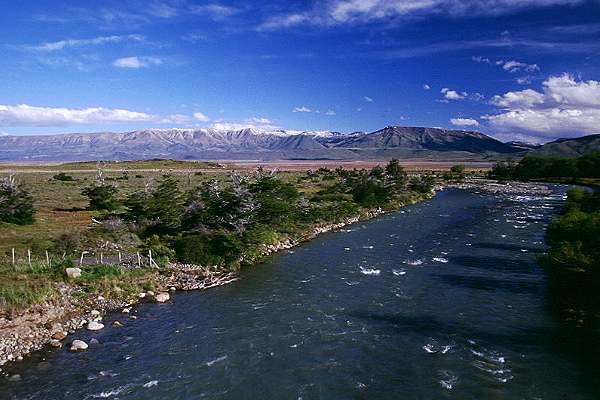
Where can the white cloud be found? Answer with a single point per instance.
(176, 119)
(3, 133)
(515, 66)
(137, 62)
(464, 122)
(283, 21)
(215, 11)
(511, 66)
(201, 117)
(261, 120)
(258, 123)
(523, 98)
(567, 107)
(368, 99)
(302, 109)
(25, 115)
(450, 94)
(330, 112)
(338, 12)
(63, 44)
(426, 87)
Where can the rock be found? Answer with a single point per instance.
(126, 310)
(142, 295)
(94, 341)
(56, 343)
(59, 336)
(73, 273)
(150, 293)
(95, 313)
(94, 326)
(162, 297)
(78, 345)
(15, 378)
(117, 324)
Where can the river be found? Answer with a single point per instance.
(443, 299)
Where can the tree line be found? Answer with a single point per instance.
(534, 167)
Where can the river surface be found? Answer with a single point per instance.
(443, 300)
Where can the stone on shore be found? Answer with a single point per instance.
(59, 335)
(78, 345)
(117, 324)
(162, 297)
(73, 273)
(55, 343)
(94, 326)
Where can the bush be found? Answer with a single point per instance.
(102, 197)
(220, 248)
(61, 176)
(16, 204)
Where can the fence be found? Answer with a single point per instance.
(20, 259)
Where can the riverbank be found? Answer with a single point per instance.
(52, 322)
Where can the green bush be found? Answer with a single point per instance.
(61, 176)
(102, 197)
(16, 204)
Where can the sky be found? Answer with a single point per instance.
(515, 69)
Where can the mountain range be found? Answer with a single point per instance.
(252, 144)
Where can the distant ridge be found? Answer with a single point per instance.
(570, 147)
(215, 144)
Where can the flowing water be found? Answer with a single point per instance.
(441, 300)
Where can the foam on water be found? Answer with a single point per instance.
(369, 271)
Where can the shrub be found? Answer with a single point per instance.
(61, 176)
(16, 204)
(102, 197)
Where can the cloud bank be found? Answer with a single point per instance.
(566, 107)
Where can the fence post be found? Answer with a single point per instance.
(139, 260)
(81, 259)
(29, 257)
(101, 258)
(13, 256)
(47, 259)
(150, 258)
(119, 257)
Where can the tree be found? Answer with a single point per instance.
(395, 172)
(101, 197)
(165, 205)
(16, 204)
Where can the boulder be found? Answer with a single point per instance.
(162, 297)
(73, 273)
(117, 324)
(55, 343)
(94, 326)
(78, 345)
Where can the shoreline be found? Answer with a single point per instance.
(53, 322)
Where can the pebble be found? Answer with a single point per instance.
(117, 324)
(59, 336)
(73, 273)
(78, 345)
(162, 297)
(94, 326)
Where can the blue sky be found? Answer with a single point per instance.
(515, 69)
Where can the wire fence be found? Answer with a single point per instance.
(20, 259)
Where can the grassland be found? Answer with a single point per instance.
(62, 211)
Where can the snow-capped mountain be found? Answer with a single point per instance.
(249, 144)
